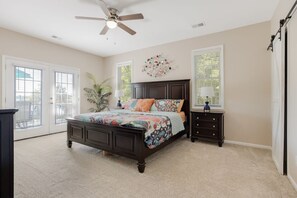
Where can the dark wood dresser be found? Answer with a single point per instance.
(6, 152)
(207, 126)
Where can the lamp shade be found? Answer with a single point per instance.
(206, 91)
(118, 93)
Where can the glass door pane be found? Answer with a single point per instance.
(63, 96)
(28, 97)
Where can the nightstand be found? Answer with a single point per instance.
(207, 126)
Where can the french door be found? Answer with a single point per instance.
(44, 94)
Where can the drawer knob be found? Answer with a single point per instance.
(213, 134)
(214, 126)
(197, 132)
(213, 118)
(197, 124)
(197, 118)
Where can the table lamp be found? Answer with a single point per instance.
(118, 94)
(206, 92)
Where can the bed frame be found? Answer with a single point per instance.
(129, 142)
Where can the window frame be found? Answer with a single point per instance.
(121, 64)
(202, 51)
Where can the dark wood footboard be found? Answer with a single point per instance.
(127, 142)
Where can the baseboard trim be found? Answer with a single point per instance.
(277, 166)
(248, 144)
(292, 182)
(39, 136)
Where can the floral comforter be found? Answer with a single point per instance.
(158, 125)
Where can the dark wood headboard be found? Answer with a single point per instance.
(175, 89)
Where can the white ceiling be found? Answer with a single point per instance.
(164, 21)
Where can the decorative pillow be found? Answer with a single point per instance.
(130, 104)
(169, 105)
(180, 106)
(144, 105)
(154, 108)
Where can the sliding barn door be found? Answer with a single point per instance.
(278, 105)
(292, 100)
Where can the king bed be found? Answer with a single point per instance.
(130, 141)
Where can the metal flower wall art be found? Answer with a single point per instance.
(157, 66)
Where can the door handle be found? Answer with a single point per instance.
(51, 100)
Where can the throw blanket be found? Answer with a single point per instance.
(160, 126)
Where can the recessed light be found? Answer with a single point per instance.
(198, 25)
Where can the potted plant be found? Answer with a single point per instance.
(98, 94)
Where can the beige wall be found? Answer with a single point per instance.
(22, 46)
(280, 13)
(247, 71)
(247, 76)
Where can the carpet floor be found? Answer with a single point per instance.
(45, 167)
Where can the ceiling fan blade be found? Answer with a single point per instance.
(126, 28)
(104, 30)
(104, 8)
(90, 18)
(131, 17)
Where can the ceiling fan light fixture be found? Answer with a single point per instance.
(112, 19)
(111, 24)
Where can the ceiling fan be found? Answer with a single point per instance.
(112, 19)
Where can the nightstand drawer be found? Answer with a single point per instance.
(207, 126)
(205, 133)
(204, 124)
(205, 117)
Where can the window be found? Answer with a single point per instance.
(123, 78)
(207, 70)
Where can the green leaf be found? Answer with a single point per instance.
(92, 110)
(91, 77)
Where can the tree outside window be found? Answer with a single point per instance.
(124, 80)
